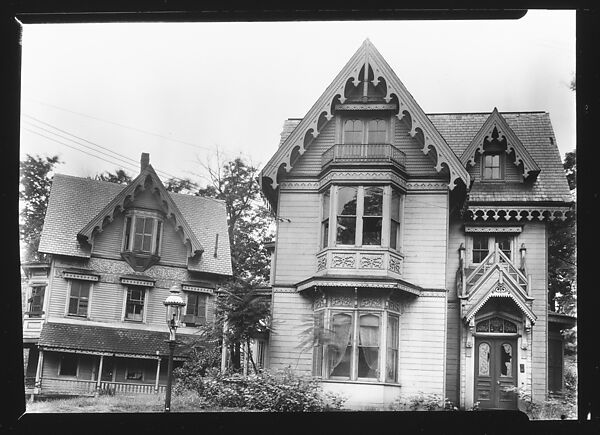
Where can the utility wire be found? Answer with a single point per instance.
(127, 126)
(67, 145)
(124, 159)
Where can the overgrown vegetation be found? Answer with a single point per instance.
(281, 391)
(423, 402)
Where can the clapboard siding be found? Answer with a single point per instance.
(155, 314)
(297, 240)
(310, 162)
(425, 234)
(456, 236)
(58, 298)
(417, 163)
(110, 240)
(534, 238)
(107, 302)
(452, 351)
(288, 345)
(173, 250)
(422, 346)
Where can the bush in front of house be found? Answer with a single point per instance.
(422, 402)
(199, 362)
(281, 391)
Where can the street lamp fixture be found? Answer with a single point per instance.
(174, 303)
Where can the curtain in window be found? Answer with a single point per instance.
(392, 349)
(369, 342)
(340, 347)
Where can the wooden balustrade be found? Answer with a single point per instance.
(84, 387)
(363, 153)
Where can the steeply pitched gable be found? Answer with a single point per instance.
(496, 125)
(147, 179)
(322, 111)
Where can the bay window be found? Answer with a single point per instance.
(362, 216)
(350, 344)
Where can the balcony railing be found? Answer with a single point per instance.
(363, 153)
(496, 257)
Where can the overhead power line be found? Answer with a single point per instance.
(127, 126)
(117, 156)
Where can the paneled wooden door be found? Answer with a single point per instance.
(495, 370)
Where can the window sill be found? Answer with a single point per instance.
(133, 321)
(358, 382)
(76, 316)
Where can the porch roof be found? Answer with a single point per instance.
(110, 341)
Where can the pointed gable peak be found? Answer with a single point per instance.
(147, 179)
(495, 127)
(366, 65)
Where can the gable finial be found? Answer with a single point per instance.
(144, 161)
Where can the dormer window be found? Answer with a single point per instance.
(491, 166)
(142, 239)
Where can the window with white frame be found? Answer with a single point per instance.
(35, 307)
(354, 344)
(135, 302)
(142, 233)
(360, 215)
(365, 131)
(79, 298)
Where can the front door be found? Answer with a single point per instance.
(495, 371)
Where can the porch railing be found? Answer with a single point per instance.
(497, 257)
(363, 153)
(78, 386)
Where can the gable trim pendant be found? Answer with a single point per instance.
(321, 113)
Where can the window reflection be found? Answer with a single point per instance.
(506, 360)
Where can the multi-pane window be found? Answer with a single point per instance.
(134, 304)
(365, 131)
(359, 214)
(483, 244)
(480, 248)
(491, 167)
(325, 219)
(503, 242)
(395, 220)
(349, 345)
(142, 234)
(68, 365)
(346, 215)
(372, 215)
(393, 329)
(195, 308)
(79, 298)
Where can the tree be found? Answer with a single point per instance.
(242, 312)
(118, 177)
(181, 185)
(248, 219)
(34, 194)
(562, 251)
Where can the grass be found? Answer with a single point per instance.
(186, 402)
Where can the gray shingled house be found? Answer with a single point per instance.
(95, 318)
(416, 246)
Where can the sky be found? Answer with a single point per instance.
(98, 95)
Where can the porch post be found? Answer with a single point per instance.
(99, 373)
(38, 373)
(157, 374)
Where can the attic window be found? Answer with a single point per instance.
(142, 239)
(491, 166)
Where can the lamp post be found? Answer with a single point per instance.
(174, 304)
